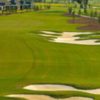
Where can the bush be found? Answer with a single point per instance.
(70, 10)
(48, 6)
(79, 12)
(99, 19)
(91, 14)
(36, 8)
(85, 11)
(95, 14)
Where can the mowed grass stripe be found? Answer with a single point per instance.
(63, 59)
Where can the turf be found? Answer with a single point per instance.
(27, 58)
(94, 35)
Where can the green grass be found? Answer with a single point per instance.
(95, 36)
(27, 58)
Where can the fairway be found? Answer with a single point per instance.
(28, 58)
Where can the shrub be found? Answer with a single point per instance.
(95, 14)
(79, 12)
(91, 14)
(85, 11)
(48, 6)
(70, 10)
(36, 8)
(99, 19)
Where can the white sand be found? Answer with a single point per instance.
(48, 32)
(45, 35)
(52, 87)
(76, 98)
(92, 91)
(44, 97)
(49, 87)
(69, 37)
(31, 97)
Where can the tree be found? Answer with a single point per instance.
(13, 2)
(70, 9)
(83, 3)
(73, 15)
(79, 12)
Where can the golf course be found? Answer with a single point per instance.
(30, 56)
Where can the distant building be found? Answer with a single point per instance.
(18, 3)
(14, 1)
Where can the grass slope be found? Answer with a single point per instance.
(26, 57)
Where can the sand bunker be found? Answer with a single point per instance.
(48, 32)
(76, 98)
(51, 87)
(69, 37)
(31, 97)
(44, 97)
(45, 35)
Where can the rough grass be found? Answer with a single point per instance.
(27, 58)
